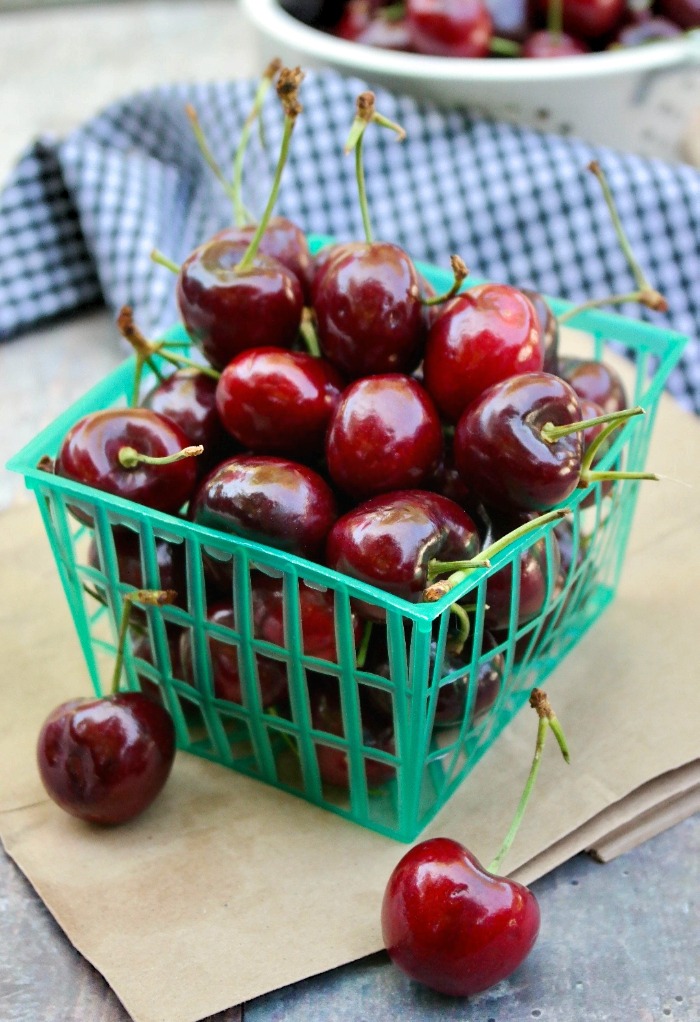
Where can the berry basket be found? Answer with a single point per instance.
(393, 787)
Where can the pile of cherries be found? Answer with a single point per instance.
(341, 411)
(499, 28)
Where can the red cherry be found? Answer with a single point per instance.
(384, 435)
(282, 240)
(685, 13)
(105, 760)
(482, 336)
(449, 28)
(268, 499)
(93, 452)
(594, 380)
(226, 310)
(389, 541)
(546, 45)
(368, 309)
(534, 571)
(278, 402)
(588, 19)
(364, 22)
(450, 924)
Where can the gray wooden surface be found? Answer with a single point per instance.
(619, 943)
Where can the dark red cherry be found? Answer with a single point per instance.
(170, 564)
(451, 924)
(389, 540)
(482, 336)
(320, 13)
(595, 381)
(98, 451)
(384, 435)
(268, 499)
(501, 448)
(283, 240)
(279, 402)
(226, 310)
(226, 669)
(105, 760)
(546, 45)
(368, 310)
(685, 13)
(327, 716)
(588, 19)
(142, 649)
(549, 330)
(449, 28)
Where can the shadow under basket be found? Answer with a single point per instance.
(435, 713)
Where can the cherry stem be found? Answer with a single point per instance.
(645, 293)
(552, 433)
(288, 84)
(460, 272)
(458, 640)
(504, 47)
(547, 721)
(555, 18)
(365, 112)
(149, 597)
(460, 569)
(145, 349)
(240, 213)
(308, 334)
(364, 645)
(158, 257)
(206, 152)
(130, 458)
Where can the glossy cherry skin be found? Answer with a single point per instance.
(327, 716)
(545, 45)
(595, 381)
(549, 330)
(283, 240)
(279, 402)
(225, 310)
(105, 760)
(89, 454)
(384, 435)
(589, 19)
(316, 612)
(482, 336)
(270, 500)
(450, 924)
(368, 309)
(226, 670)
(389, 540)
(449, 28)
(501, 452)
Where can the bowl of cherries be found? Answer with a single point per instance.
(380, 503)
(549, 64)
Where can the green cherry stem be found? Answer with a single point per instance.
(149, 597)
(504, 47)
(460, 273)
(365, 112)
(308, 334)
(457, 641)
(130, 458)
(364, 645)
(547, 721)
(288, 83)
(240, 213)
(162, 260)
(145, 350)
(552, 433)
(460, 569)
(206, 152)
(588, 475)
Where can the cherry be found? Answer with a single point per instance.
(275, 401)
(484, 335)
(549, 330)
(389, 541)
(132, 453)
(594, 380)
(685, 13)
(268, 499)
(384, 435)
(453, 925)
(589, 19)
(364, 22)
(106, 759)
(327, 716)
(226, 672)
(545, 45)
(449, 28)
(320, 13)
(282, 240)
(170, 561)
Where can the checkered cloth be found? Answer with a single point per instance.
(80, 216)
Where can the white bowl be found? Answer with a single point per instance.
(640, 99)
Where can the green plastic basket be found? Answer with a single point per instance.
(279, 745)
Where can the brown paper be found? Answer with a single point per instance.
(226, 889)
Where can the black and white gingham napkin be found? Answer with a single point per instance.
(80, 216)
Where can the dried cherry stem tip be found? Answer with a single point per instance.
(460, 274)
(149, 597)
(547, 721)
(129, 457)
(551, 433)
